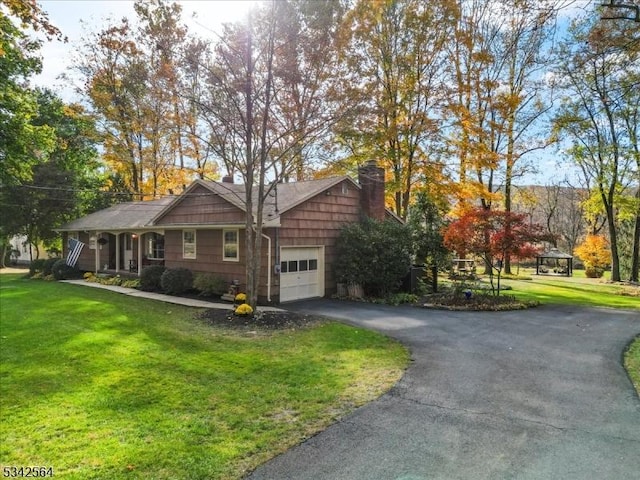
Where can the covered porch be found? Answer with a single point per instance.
(127, 251)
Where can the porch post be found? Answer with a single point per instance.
(140, 245)
(117, 252)
(97, 247)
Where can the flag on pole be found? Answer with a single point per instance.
(75, 247)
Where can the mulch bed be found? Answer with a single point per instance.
(262, 321)
(477, 303)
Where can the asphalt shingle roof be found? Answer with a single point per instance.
(136, 215)
(283, 196)
(121, 216)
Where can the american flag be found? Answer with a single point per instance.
(75, 247)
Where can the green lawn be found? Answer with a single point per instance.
(632, 362)
(99, 385)
(576, 290)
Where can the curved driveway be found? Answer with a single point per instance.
(535, 394)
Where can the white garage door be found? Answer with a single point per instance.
(301, 273)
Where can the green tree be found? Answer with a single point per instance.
(426, 222)
(593, 64)
(22, 142)
(375, 254)
(65, 182)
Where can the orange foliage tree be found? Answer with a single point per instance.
(595, 254)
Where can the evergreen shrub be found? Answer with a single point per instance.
(36, 266)
(175, 281)
(150, 278)
(48, 266)
(210, 284)
(61, 271)
(374, 254)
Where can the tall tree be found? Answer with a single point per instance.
(22, 142)
(20, 139)
(496, 93)
(65, 182)
(143, 81)
(261, 113)
(303, 75)
(393, 57)
(592, 64)
(115, 75)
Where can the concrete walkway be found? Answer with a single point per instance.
(188, 302)
(536, 394)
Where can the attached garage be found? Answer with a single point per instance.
(301, 273)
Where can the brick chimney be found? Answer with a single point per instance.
(371, 179)
(227, 179)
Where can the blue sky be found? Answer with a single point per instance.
(77, 17)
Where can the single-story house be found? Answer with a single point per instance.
(203, 228)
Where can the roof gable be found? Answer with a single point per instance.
(202, 203)
(280, 198)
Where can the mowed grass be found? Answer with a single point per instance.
(576, 290)
(100, 385)
(632, 362)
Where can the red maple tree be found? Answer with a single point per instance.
(493, 235)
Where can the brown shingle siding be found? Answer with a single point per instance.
(201, 207)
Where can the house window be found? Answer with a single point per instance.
(155, 245)
(230, 245)
(188, 244)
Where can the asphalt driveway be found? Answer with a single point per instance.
(535, 394)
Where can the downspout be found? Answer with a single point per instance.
(268, 267)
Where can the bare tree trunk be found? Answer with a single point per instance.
(252, 294)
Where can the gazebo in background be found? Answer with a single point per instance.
(554, 262)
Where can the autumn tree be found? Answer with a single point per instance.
(594, 252)
(260, 111)
(493, 235)
(304, 75)
(593, 64)
(497, 96)
(135, 76)
(392, 81)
